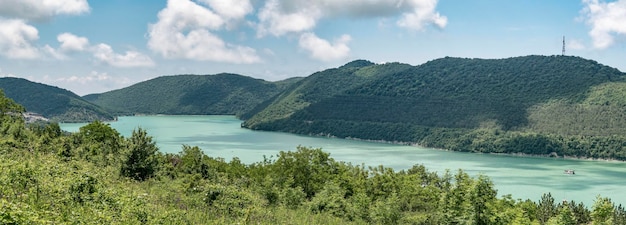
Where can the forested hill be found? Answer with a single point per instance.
(52, 102)
(227, 94)
(530, 104)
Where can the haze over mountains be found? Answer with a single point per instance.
(542, 105)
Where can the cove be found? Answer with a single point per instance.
(522, 177)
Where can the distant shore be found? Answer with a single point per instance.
(519, 154)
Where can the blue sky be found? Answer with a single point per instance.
(95, 46)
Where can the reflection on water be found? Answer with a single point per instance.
(523, 177)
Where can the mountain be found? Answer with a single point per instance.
(530, 104)
(227, 94)
(52, 102)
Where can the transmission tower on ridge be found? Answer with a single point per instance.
(563, 52)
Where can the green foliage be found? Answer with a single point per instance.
(223, 94)
(546, 208)
(97, 142)
(12, 132)
(386, 211)
(306, 168)
(51, 178)
(331, 199)
(540, 105)
(54, 103)
(141, 161)
(602, 211)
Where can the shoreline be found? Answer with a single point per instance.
(413, 144)
(516, 154)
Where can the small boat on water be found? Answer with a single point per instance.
(571, 172)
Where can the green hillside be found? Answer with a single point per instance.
(227, 94)
(52, 102)
(534, 104)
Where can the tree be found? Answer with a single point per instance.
(307, 168)
(142, 158)
(602, 211)
(8, 107)
(193, 161)
(483, 194)
(99, 143)
(456, 205)
(11, 120)
(546, 208)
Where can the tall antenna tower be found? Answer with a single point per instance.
(563, 52)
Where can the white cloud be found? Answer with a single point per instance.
(606, 20)
(94, 76)
(279, 17)
(574, 44)
(231, 9)
(6, 74)
(322, 49)
(184, 31)
(70, 42)
(105, 53)
(50, 51)
(41, 9)
(101, 52)
(423, 13)
(93, 82)
(16, 39)
(277, 21)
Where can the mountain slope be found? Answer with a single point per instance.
(442, 102)
(228, 94)
(318, 87)
(52, 102)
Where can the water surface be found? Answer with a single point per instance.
(522, 177)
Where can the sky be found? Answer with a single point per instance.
(89, 46)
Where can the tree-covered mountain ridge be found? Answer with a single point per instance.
(224, 94)
(52, 102)
(545, 105)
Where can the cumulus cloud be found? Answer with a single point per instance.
(278, 17)
(41, 10)
(277, 20)
(16, 39)
(322, 49)
(423, 13)
(607, 19)
(184, 30)
(101, 52)
(104, 53)
(93, 82)
(575, 44)
(231, 10)
(70, 42)
(51, 52)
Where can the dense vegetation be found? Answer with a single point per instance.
(52, 102)
(544, 105)
(226, 94)
(96, 176)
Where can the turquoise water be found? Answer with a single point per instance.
(522, 177)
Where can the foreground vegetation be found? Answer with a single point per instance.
(96, 176)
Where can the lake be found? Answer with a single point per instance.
(522, 177)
